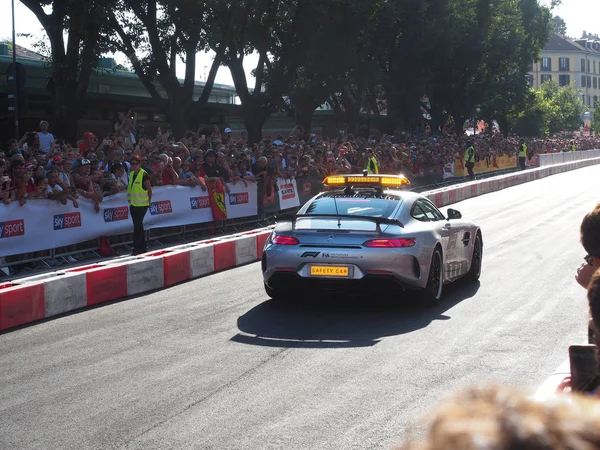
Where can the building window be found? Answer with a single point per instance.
(589, 100)
(582, 81)
(595, 100)
(546, 78)
(582, 65)
(583, 99)
(564, 80)
(546, 64)
(589, 81)
(563, 64)
(595, 82)
(529, 79)
(594, 66)
(588, 66)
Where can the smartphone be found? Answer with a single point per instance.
(584, 367)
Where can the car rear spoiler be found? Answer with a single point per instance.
(377, 220)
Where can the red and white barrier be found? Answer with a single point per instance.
(48, 295)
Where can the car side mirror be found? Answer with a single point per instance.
(454, 214)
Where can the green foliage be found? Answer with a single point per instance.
(559, 26)
(550, 110)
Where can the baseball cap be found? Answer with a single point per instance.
(56, 159)
(227, 130)
(28, 165)
(88, 135)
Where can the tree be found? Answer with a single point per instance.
(72, 62)
(559, 26)
(507, 63)
(279, 31)
(550, 110)
(154, 33)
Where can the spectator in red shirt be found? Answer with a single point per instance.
(88, 144)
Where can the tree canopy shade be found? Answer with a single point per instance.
(72, 60)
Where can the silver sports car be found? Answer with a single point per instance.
(367, 234)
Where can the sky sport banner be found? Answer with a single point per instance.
(45, 224)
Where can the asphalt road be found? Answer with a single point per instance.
(214, 364)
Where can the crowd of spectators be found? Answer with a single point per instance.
(40, 165)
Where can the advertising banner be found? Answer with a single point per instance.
(241, 200)
(484, 165)
(288, 193)
(45, 224)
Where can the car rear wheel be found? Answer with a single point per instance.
(477, 258)
(435, 283)
(280, 295)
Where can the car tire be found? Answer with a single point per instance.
(279, 295)
(432, 294)
(476, 260)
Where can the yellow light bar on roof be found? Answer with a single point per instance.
(386, 181)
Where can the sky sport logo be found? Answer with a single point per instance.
(12, 228)
(199, 203)
(238, 199)
(115, 214)
(162, 207)
(64, 221)
(287, 191)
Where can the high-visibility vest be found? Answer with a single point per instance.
(372, 162)
(572, 147)
(136, 194)
(523, 151)
(470, 154)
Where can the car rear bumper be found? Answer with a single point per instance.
(293, 283)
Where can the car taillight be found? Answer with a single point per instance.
(391, 243)
(285, 240)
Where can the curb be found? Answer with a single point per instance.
(43, 296)
(47, 295)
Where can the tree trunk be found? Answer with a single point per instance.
(179, 111)
(254, 124)
(303, 118)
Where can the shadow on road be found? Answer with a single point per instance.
(342, 322)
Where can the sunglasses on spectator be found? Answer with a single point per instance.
(590, 260)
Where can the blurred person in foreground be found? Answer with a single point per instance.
(500, 418)
(590, 239)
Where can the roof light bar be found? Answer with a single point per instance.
(386, 181)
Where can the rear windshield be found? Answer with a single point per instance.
(370, 207)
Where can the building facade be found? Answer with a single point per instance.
(570, 62)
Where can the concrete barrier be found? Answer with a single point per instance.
(64, 293)
(143, 275)
(245, 249)
(202, 260)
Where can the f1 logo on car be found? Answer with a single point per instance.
(310, 254)
(12, 228)
(64, 221)
(162, 207)
(115, 214)
(199, 203)
(287, 191)
(238, 199)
